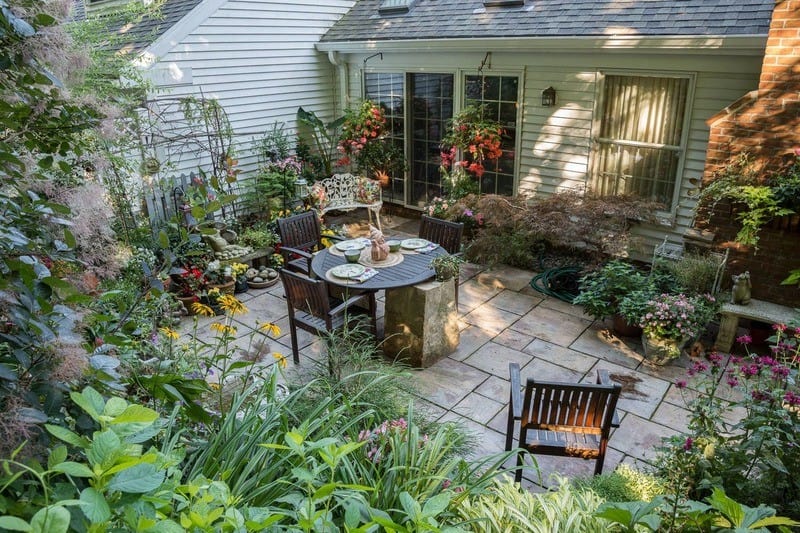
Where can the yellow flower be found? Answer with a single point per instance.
(280, 359)
(224, 329)
(270, 328)
(214, 386)
(237, 269)
(202, 309)
(213, 292)
(277, 259)
(232, 305)
(170, 333)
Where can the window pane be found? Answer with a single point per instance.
(640, 136)
(498, 96)
(433, 105)
(386, 90)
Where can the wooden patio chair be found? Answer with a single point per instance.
(312, 309)
(301, 236)
(562, 419)
(446, 234)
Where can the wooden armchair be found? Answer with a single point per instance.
(446, 234)
(563, 419)
(300, 235)
(312, 309)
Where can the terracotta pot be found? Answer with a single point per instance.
(224, 288)
(187, 302)
(623, 329)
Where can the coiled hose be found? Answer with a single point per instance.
(561, 282)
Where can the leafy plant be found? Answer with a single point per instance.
(602, 291)
(317, 157)
(624, 484)
(752, 455)
(762, 200)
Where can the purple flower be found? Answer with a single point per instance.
(467, 212)
(681, 384)
(688, 444)
(732, 381)
(744, 339)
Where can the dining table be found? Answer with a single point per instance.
(420, 319)
(414, 267)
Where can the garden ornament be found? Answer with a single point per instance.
(740, 293)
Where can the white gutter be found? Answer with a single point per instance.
(746, 45)
(341, 74)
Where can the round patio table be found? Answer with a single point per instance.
(415, 268)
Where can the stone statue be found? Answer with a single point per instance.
(380, 249)
(740, 293)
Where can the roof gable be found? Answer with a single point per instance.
(438, 19)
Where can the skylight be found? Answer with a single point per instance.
(395, 7)
(503, 3)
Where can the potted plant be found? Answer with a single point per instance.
(630, 310)
(220, 277)
(602, 291)
(239, 271)
(669, 321)
(446, 266)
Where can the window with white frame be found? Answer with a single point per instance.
(640, 144)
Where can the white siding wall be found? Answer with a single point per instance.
(258, 59)
(556, 142)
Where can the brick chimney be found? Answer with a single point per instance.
(765, 123)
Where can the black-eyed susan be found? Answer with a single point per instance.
(270, 328)
(223, 329)
(232, 305)
(280, 359)
(169, 333)
(202, 309)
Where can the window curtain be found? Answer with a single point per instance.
(639, 145)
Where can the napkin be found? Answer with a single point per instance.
(431, 246)
(364, 276)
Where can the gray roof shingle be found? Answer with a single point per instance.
(443, 19)
(145, 32)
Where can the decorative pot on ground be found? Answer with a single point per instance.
(240, 285)
(623, 329)
(224, 288)
(660, 351)
(187, 302)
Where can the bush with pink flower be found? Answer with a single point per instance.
(677, 316)
(743, 426)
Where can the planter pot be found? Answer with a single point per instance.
(187, 302)
(623, 329)
(240, 285)
(224, 288)
(660, 351)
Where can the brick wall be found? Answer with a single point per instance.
(766, 124)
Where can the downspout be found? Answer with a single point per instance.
(342, 80)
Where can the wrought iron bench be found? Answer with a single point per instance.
(345, 192)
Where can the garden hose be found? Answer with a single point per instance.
(561, 282)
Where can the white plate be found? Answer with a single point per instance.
(348, 271)
(344, 246)
(413, 244)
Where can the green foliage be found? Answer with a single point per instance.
(258, 236)
(625, 484)
(690, 274)
(762, 200)
(505, 506)
(317, 142)
(747, 445)
(602, 290)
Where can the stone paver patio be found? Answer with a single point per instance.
(503, 320)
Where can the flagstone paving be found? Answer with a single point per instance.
(504, 320)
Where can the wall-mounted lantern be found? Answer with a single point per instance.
(549, 97)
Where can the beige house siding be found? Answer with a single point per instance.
(555, 143)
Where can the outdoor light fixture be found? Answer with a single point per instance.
(300, 188)
(549, 97)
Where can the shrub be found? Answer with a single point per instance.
(748, 446)
(625, 484)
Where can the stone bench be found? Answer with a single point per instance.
(345, 192)
(755, 310)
